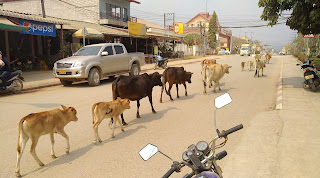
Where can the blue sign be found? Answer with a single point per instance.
(38, 28)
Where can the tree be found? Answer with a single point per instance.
(212, 30)
(304, 17)
(189, 39)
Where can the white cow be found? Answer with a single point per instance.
(213, 72)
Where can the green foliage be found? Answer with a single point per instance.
(189, 39)
(304, 17)
(212, 30)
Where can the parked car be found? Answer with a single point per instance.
(223, 51)
(94, 62)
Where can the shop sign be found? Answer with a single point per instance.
(137, 29)
(38, 28)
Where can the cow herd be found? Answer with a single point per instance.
(124, 90)
(258, 63)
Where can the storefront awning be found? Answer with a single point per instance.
(5, 24)
(90, 33)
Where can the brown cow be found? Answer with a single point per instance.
(268, 57)
(135, 88)
(175, 75)
(36, 124)
(242, 65)
(104, 110)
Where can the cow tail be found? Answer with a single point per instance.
(20, 131)
(115, 93)
(164, 80)
(93, 107)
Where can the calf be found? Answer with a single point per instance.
(249, 65)
(135, 88)
(259, 64)
(104, 110)
(48, 122)
(208, 61)
(268, 57)
(214, 72)
(175, 75)
(242, 65)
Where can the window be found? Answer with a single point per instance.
(109, 10)
(116, 39)
(191, 25)
(109, 50)
(125, 14)
(118, 49)
(88, 51)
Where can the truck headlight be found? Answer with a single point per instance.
(78, 64)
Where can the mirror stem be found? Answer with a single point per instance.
(165, 155)
(215, 124)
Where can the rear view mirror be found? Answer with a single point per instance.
(148, 151)
(222, 100)
(104, 53)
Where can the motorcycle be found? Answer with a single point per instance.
(14, 83)
(311, 78)
(201, 157)
(160, 62)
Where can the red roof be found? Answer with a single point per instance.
(204, 15)
(134, 1)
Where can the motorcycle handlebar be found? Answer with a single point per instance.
(169, 172)
(227, 132)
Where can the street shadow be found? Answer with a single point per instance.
(295, 82)
(121, 135)
(150, 116)
(166, 98)
(84, 84)
(65, 158)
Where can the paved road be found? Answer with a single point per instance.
(173, 128)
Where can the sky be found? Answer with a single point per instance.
(231, 13)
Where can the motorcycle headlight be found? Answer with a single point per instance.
(78, 64)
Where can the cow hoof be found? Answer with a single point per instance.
(112, 136)
(67, 151)
(154, 111)
(100, 140)
(95, 142)
(160, 101)
(124, 124)
(18, 174)
(138, 116)
(41, 164)
(53, 156)
(122, 130)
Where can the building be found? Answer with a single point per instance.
(201, 21)
(103, 12)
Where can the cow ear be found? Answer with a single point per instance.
(229, 66)
(64, 107)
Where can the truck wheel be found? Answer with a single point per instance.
(134, 70)
(65, 82)
(94, 77)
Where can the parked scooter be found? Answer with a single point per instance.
(14, 83)
(201, 157)
(160, 62)
(311, 78)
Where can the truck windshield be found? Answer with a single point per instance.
(244, 48)
(88, 51)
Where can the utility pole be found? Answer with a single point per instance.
(43, 10)
(205, 33)
(164, 21)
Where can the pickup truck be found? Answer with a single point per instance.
(95, 62)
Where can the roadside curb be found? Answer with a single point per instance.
(280, 89)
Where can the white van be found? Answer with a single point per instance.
(245, 50)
